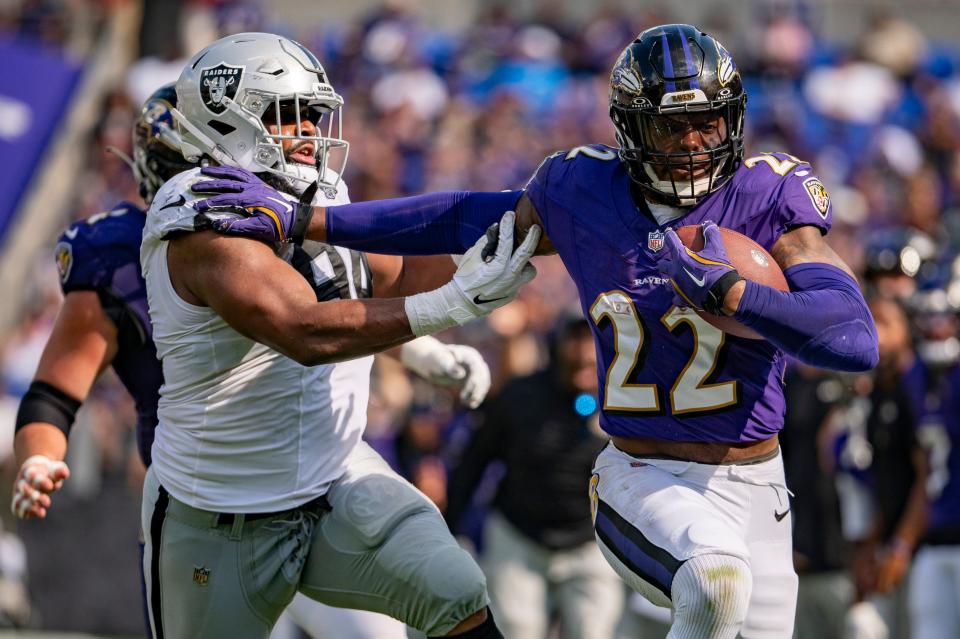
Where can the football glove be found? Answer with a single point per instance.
(242, 204)
(449, 365)
(701, 279)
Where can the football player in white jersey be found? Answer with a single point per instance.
(260, 485)
(103, 322)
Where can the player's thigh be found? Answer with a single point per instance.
(516, 579)
(194, 578)
(384, 547)
(320, 621)
(650, 516)
(769, 537)
(589, 594)
(933, 592)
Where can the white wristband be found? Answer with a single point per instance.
(438, 309)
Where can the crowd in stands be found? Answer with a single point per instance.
(427, 109)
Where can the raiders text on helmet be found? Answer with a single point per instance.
(232, 91)
(671, 81)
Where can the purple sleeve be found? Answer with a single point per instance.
(824, 320)
(431, 224)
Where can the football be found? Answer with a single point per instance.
(751, 260)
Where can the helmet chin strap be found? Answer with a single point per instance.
(688, 196)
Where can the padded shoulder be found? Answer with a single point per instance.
(88, 252)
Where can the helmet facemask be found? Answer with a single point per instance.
(298, 122)
(651, 147)
(677, 105)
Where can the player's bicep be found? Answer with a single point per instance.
(82, 344)
(804, 245)
(255, 292)
(527, 216)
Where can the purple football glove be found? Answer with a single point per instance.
(701, 279)
(268, 215)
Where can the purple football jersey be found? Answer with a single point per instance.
(664, 372)
(102, 254)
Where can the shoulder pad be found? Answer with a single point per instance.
(172, 207)
(799, 197)
(89, 250)
(776, 163)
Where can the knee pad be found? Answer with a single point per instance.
(711, 594)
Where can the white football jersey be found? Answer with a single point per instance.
(243, 428)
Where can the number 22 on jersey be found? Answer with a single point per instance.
(689, 393)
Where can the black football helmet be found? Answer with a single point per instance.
(156, 143)
(671, 81)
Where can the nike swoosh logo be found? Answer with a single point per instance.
(478, 301)
(780, 516)
(71, 233)
(698, 282)
(180, 201)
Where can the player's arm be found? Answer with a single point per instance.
(824, 320)
(430, 224)
(265, 299)
(82, 344)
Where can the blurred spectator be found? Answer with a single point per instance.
(934, 383)
(881, 454)
(819, 549)
(539, 552)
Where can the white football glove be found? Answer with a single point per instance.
(38, 477)
(489, 276)
(449, 365)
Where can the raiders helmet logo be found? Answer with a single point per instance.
(217, 83)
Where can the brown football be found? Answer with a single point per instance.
(750, 259)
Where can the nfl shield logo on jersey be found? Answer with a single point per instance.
(217, 83)
(655, 240)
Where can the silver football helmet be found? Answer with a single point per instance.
(241, 98)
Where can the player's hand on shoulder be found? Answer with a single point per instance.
(449, 365)
(491, 272)
(702, 279)
(240, 203)
(38, 478)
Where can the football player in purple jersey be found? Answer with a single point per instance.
(103, 321)
(689, 498)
